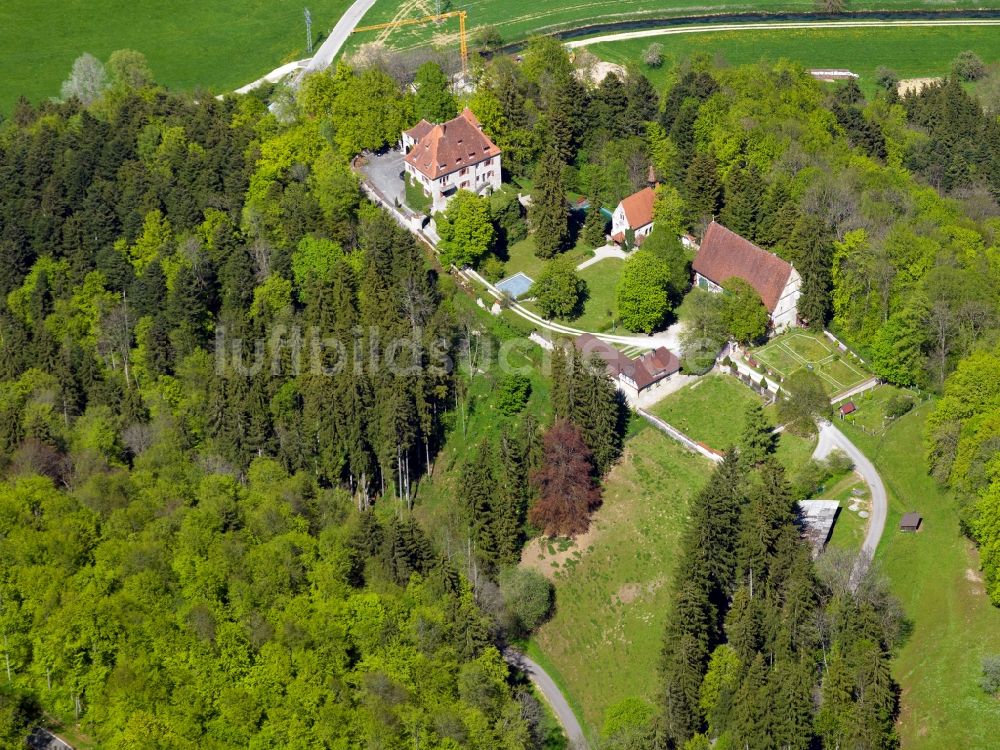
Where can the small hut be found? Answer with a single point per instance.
(848, 408)
(910, 522)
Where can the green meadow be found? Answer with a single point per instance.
(189, 44)
(935, 574)
(911, 52)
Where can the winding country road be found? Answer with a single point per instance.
(830, 439)
(548, 688)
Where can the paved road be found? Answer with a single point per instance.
(553, 695)
(608, 251)
(773, 26)
(331, 46)
(830, 438)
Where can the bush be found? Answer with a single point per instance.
(837, 463)
(513, 394)
(806, 401)
(492, 269)
(527, 599)
(990, 681)
(898, 405)
(653, 55)
(968, 66)
(886, 78)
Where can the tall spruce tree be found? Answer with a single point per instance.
(757, 441)
(810, 246)
(702, 188)
(549, 213)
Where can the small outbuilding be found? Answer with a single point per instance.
(910, 522)
(848, 408)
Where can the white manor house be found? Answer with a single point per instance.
(452, 156)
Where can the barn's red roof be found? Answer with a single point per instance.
(724, 254)
(450, 146)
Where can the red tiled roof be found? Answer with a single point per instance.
(848, 408)
(450, 146)
(639, 207)
(724, 254)
(419, 130)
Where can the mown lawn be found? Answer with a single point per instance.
(911, 52)
(871, 415)
(221, 45)
(612, 596)
(935, 575)
(711, 410)
(521, 257)
(600, 312)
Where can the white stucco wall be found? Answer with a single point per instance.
(481, 177)
(785, 313)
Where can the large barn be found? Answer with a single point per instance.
(724, 255)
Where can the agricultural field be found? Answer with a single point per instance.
(612, 585)
(519, 19)
(798, 349)
(911, 52)
(219, 45)
(935, 574)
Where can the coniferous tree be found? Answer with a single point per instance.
(757, 440)
(744, 200)
(594, 229)
(812, 252)
(702, 188)
(549, 213)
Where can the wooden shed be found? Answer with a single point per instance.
(910, 522)
(848, 408)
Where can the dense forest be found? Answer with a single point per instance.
(225, 375)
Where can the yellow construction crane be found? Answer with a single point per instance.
(463, 48)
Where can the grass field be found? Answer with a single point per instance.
(911, 52)
(871, 405)
(612, 596)
(521, 257)
(935, 575)
(712, 410)
(210, 43)
(600, 312)
(518, 19)
(849, 530)
(799, 349)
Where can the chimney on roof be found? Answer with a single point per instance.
(651, 177)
